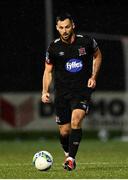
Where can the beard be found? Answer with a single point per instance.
(66, 36)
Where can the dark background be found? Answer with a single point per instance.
(23, 40)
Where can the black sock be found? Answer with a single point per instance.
(74, 141)
(64, 140)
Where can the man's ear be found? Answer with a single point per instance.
(57, 27)
(73, 25)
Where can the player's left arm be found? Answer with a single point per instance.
(97, 60)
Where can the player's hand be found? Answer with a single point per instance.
(45, 98)
(91, 83)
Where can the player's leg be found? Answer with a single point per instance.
(80, 109)
(63, 119)
(75, 137)
(76, 131)
(65, 130)
(64, 125)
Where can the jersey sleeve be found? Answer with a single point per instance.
(94, 45)
(91, 43)
(49, 59)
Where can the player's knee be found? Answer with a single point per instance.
(65, 131)
(76, 123)
(77, 118)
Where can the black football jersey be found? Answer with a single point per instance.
(72, 63)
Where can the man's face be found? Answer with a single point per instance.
(65, 29)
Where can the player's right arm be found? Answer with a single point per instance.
(46, 82)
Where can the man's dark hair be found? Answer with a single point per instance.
(64, 16)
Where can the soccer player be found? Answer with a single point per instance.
(74, 60)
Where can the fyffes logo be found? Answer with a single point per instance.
(74, 65)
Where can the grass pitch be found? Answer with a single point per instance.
(95, 160)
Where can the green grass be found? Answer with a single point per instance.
(95, 159)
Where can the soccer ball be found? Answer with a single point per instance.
(42, 160)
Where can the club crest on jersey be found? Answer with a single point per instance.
(82, 51)
(74, 65)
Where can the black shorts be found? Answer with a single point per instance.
(64, 105)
